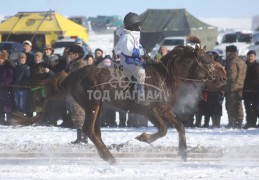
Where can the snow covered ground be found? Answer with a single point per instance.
(46, 152)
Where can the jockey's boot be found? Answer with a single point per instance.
(141, 95)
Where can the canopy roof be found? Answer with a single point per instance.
(157, 20)
(38, 22)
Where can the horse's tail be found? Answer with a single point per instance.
(21, 120)
(53, 88)
(53, 85)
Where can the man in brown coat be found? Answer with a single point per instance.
(236, 73)
(74, 62)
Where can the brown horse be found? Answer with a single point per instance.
(91, 85)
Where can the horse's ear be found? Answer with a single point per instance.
(204, 48)
(197, 47)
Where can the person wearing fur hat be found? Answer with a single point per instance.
(75, 58)
(236, 72)
(75, 61)
(250, 90)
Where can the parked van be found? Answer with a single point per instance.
(242, 40)
(173, 41)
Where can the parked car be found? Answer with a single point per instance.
(171, 42)
(242, 40)
(63, 42)
(13, 48)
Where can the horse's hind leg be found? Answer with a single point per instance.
(156, 119)
(181, 131)
(92, 129)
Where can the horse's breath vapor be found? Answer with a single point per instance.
(187, 97)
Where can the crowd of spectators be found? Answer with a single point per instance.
(20, 89)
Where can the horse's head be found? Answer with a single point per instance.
(193, 64)
(207, 69)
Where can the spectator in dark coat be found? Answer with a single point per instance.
(98, 56)
(7, 103)
(22, 76)
(48, 55)
(250, 90)
(211, 105)
(75, 61)
(39, 71)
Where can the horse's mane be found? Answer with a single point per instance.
(193, 39)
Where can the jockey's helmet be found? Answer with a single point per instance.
(132, 22)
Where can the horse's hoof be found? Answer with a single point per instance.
(142, 137)
(183, 155)
(112, 161)
(78, 141)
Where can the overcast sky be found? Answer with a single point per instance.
(198, 8)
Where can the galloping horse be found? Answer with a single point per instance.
(90, 85)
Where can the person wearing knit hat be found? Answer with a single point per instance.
(236, 72)
(231, 48)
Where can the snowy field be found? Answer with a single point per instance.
(46, 152)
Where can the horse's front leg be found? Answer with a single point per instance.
(181, 131)
(92, 129)
(156, 119)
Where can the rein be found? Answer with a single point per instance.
(202, 67)
(21, 86)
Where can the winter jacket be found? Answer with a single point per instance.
(128, 43)
(29, 59)
(75, 65)
(129, 48)
(22, 75)
(6, 74)
(252, 77)
(236, 72)
(77, 112)
(7, 103)
(37, 73)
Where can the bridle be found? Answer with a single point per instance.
(209, 77)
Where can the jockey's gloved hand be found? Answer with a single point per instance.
(135, 53)
(146, 58)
